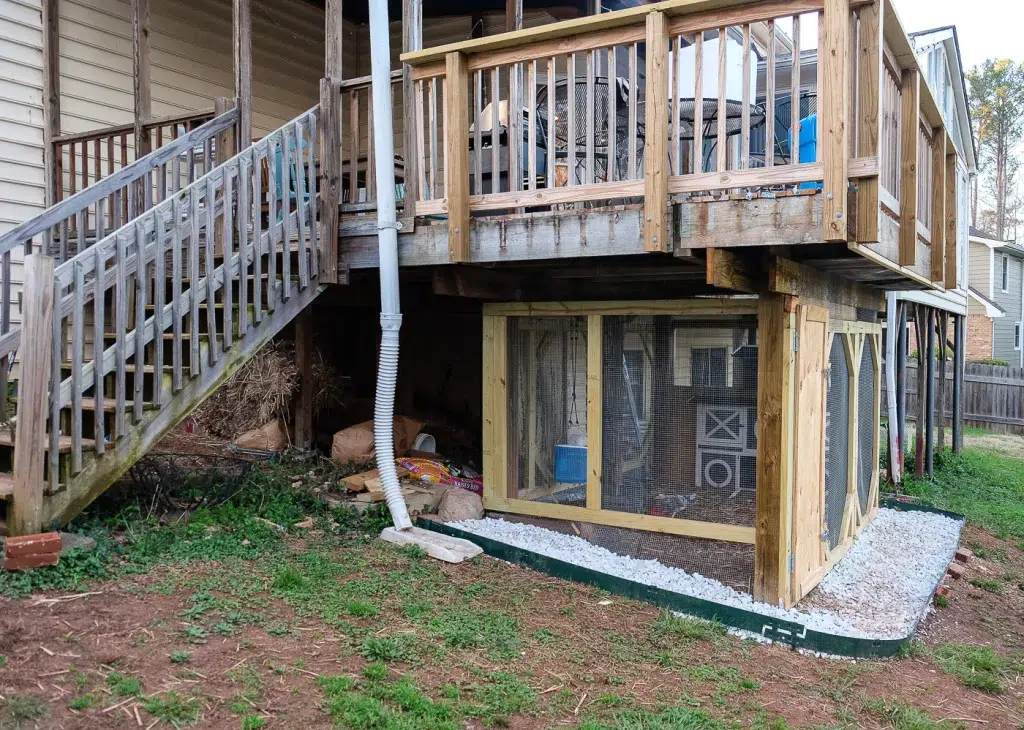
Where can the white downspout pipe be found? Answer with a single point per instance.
(387, 234)
(895, 448)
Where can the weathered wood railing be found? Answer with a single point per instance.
(672, 100)
(78, 220)
(640, 104)
(86, 158)
(358, 187)
(172, 276)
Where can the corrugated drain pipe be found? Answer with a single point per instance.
(387, 233)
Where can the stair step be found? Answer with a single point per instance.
(6, 485)
(64, 443)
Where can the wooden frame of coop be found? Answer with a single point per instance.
(789, 532)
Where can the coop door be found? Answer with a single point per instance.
(811, 360)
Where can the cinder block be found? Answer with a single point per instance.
(955, 571)
(963, 555)
(40, 544)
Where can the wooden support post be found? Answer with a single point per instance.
(960, 344)
(774, 443)
(920, 326)
(911, 87)
(304, 364)
(141, 82)
(952, 272)
(938, 193)
(412, 40)
(657, 118)
(456, 159)
(940, 388)
(513, 15)
(242, 53)
(729, 270)
(869, 117)
(833, 112)
(51, 100)
(222, 153)
(33, 396)
(330, 183)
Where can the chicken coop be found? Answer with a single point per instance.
(720, 435)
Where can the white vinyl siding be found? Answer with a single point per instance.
(1010, 300)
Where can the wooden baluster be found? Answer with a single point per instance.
(353, 175)
(120, 326)
(272, 223)
(286, 226)
(59, 156)
(72, 175)
(314, 246)
(371, 172)
(176, 314)
(110, 171)
(193, 284)
(115, 204)
(591, 176)
(300, 208)
(161, 171)
(98, 333)
(675, 83)
(769, 128)
(432, 111)
(613, 93)
(531, 133)
(77, 352)
(65, 233)
(229, 254)
(698, 103)
(794, 95)
(244, 197)
(550, 148)
(140, 321)
(745, 111)
(515, 128)
(80, 221)
(570, 111)
(722, 146)
(631, 130)
(159, 297)
(425, 192)
(100, 223)
(207, 156)
(85, 184)
(257, 238)
(211, 284)
(478, 152)
(495, 132)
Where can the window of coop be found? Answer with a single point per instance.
(679, 414)
(547, 409)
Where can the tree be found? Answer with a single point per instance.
(997, 112)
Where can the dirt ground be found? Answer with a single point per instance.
(248, 644)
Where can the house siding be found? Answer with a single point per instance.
(979, 267)
(1010, 301)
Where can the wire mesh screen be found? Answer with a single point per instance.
(730, 563)
(679, 411)
(547, 409)
(867, 430)
(837, 431)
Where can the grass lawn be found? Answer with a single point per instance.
(985, 486)
(224, 620)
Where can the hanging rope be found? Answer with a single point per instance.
(574, 335)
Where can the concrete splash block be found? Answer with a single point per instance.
(443, 547)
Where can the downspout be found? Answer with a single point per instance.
(891, 337)
(387, 236)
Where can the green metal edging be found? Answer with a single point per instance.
(777, 630)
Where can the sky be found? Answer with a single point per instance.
(986, 28)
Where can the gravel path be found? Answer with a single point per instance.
(879, 590)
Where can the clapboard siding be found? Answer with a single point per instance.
(191, 59)
(980, 268)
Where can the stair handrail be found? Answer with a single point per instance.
(83, 199)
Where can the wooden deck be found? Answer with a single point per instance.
(871, 203)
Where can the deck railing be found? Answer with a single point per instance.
(676, 99)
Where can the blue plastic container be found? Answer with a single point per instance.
(570, 464)
(808, 145)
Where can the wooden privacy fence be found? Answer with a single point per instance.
(993, 396)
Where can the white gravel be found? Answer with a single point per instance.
(879, 590)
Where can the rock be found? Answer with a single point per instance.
(268, 437)
(443, 547)
(458, 504)
(271, 524)
(305, 524)
(75, 541)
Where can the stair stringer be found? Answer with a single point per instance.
(102, 471)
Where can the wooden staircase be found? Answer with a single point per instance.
(123, 339)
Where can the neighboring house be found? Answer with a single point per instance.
(995, 311)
